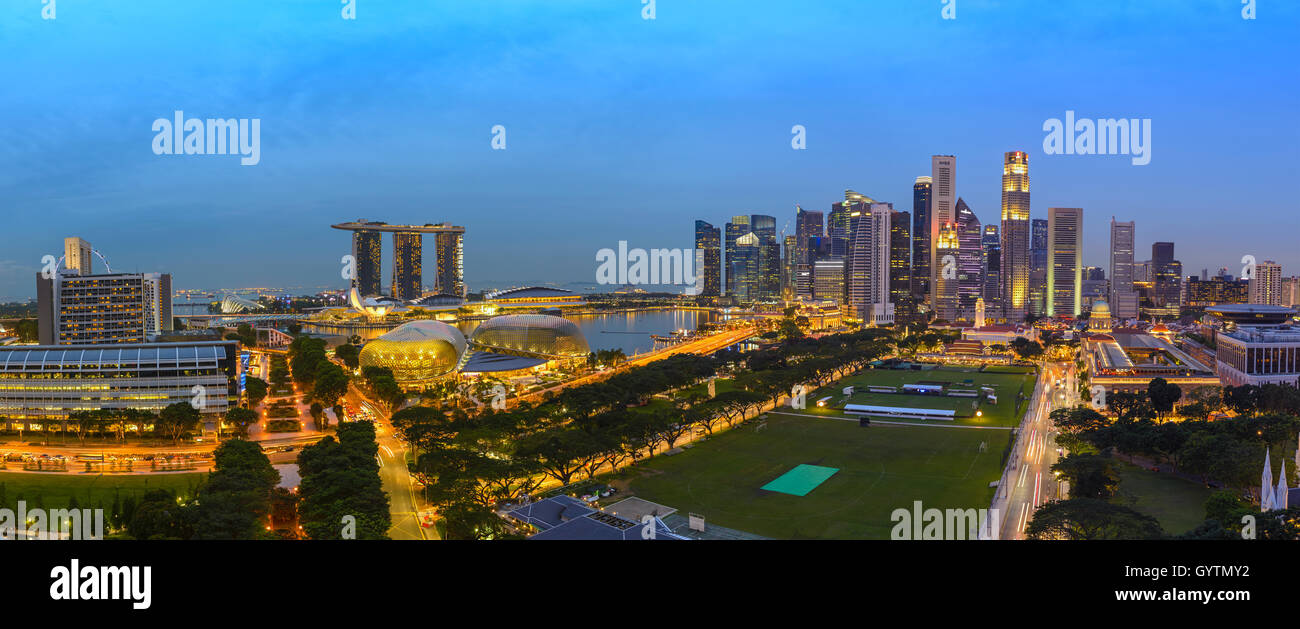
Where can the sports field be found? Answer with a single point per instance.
(1006, 385)
(55, 490)
(878, 469)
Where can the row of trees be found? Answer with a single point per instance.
(234, 503)
(471, 463)
(342, 496)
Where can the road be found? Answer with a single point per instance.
(706, 345)
(1033, 482)
(394, 474)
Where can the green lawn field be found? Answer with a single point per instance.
(1179, 504)
(881, 468)
(54, 490)
(1006, 385)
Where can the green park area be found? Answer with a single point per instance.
(1006, 382)
(1178, 503)
(876, 470)
(56, 490)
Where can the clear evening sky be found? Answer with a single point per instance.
(620, 128)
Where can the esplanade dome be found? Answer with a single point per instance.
(530, 335)
(418, 350)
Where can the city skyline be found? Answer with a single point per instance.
(427, 157)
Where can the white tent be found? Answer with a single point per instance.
(1266, 494)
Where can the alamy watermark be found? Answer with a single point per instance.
(1104, 136)
(657, 266)
(946, 524)
(214, 136)
(52, 524)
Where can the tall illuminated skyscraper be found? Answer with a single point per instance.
(709, 240)
(943, 218)
(767, 280)
(900, 267)
(921, 239)
(450, 249)
(738, 259)
(1168, 275)
(970, 260)
(868, 266)
(76, 255)
(1015, 235)
(808, 225)
(991, 263)
(1037, 267)
(367, 252)
(1064, 261)
(1123, 299)
(408, 262)
(1265, 285)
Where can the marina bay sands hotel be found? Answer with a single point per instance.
(408, 256)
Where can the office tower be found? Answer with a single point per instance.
(768, 269)
(921, 239)
(1217, 290)
(1016, 237)
(828, 279)
(709, 240)
(367, 252)
(1266, 284)
(788, 267)
(1065, 261)
(991, 267)
(943, 271)
(450, 250)
(408, 258)
(736, 265)
(158, 304)
(1037, 267)
(837, 228)
(947, 248)
(1123, 299)
(808, 225)
(74, 309)
(1168, 275)
(1291, 292)
(76, 255)
(970, 260)
(900, 267)
(868, 265)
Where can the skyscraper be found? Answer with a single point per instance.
(1168, 275)
(709, 240)
(900, 268)
(1266, 284)
(408, 262)
(868, 265)
(970, 260)
(921, 238)
(943, 271)
(1037, 268)
(75, 309)
(367, 252)
(1016, 266)
(991, 262)
(1065, 261)
(837, 228)
(737, 260)
(788, 267)
(768, 268)
(450, 250)
(808, 225)
(76, 255)
(1123, 299)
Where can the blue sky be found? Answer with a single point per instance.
(620, 128)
